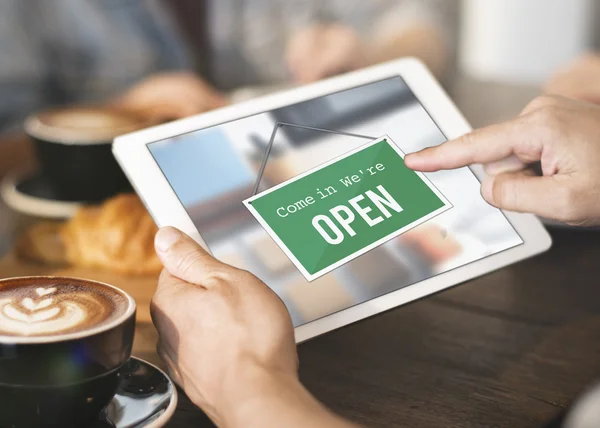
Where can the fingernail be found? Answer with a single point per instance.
(409, 161)
(486, 189)
(165, 238)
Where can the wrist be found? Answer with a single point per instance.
(248, 387)
(266, 397)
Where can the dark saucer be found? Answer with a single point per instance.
(146, 398)
(33, 195)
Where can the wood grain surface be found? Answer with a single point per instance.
(508, 350)
(511, 349)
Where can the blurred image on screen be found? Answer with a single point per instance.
(213, 170)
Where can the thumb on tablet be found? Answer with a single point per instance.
(186, 259)
(523, 191)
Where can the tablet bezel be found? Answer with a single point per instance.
(163, 204)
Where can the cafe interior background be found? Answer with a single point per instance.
(499, 58)
(502, 53)
(500, 50)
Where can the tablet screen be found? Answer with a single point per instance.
(339, 220)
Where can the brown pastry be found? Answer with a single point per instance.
(432, 242)
(318, 298)
(42, 243)
(271, 256)
(118, 236)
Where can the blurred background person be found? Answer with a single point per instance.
(306, 40)
(171, 59)
(579, 79)
(75, 52)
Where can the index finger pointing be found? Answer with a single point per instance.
(519, 137)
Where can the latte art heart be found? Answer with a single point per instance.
(43, 311)
(33, 306)
(45, 291)
(12, 314)
(45, 317)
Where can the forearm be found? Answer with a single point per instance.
(419, 41)
(268, 400)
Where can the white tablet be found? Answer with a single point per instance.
(307, 189)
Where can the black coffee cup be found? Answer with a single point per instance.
(73, 147)
(53, 371)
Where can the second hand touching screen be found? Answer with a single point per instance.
(315, 200)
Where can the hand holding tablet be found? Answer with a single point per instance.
(198, 175)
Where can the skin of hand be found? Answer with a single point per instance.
(562, 134)
(228, 341)
(322, 51)
(170, 96)
(580, 80)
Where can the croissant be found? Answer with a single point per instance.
(116, 236)
(42, 243)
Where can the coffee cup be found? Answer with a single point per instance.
(73, 147)
(63, 342)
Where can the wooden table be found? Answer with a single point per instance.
(511, 349)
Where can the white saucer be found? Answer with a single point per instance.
(146, 398)
(32, 195)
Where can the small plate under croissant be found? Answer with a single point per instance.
(78, 174)
(73, 147)
(117, 236)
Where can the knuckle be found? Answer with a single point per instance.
(229, 275)
(470, 138)
(569, 201)
(541, 102)
(185, 265)
(467, 142)
(229, 283)
(545, 109)
(536, 104)
(548, 121)
(552, 113)
(535, 117)
(219, 278)
(503, 193)
(546, 114)
(249, 283)
(245, 277)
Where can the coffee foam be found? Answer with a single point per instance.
(49, 308)
(84, 125)
(86, 120)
